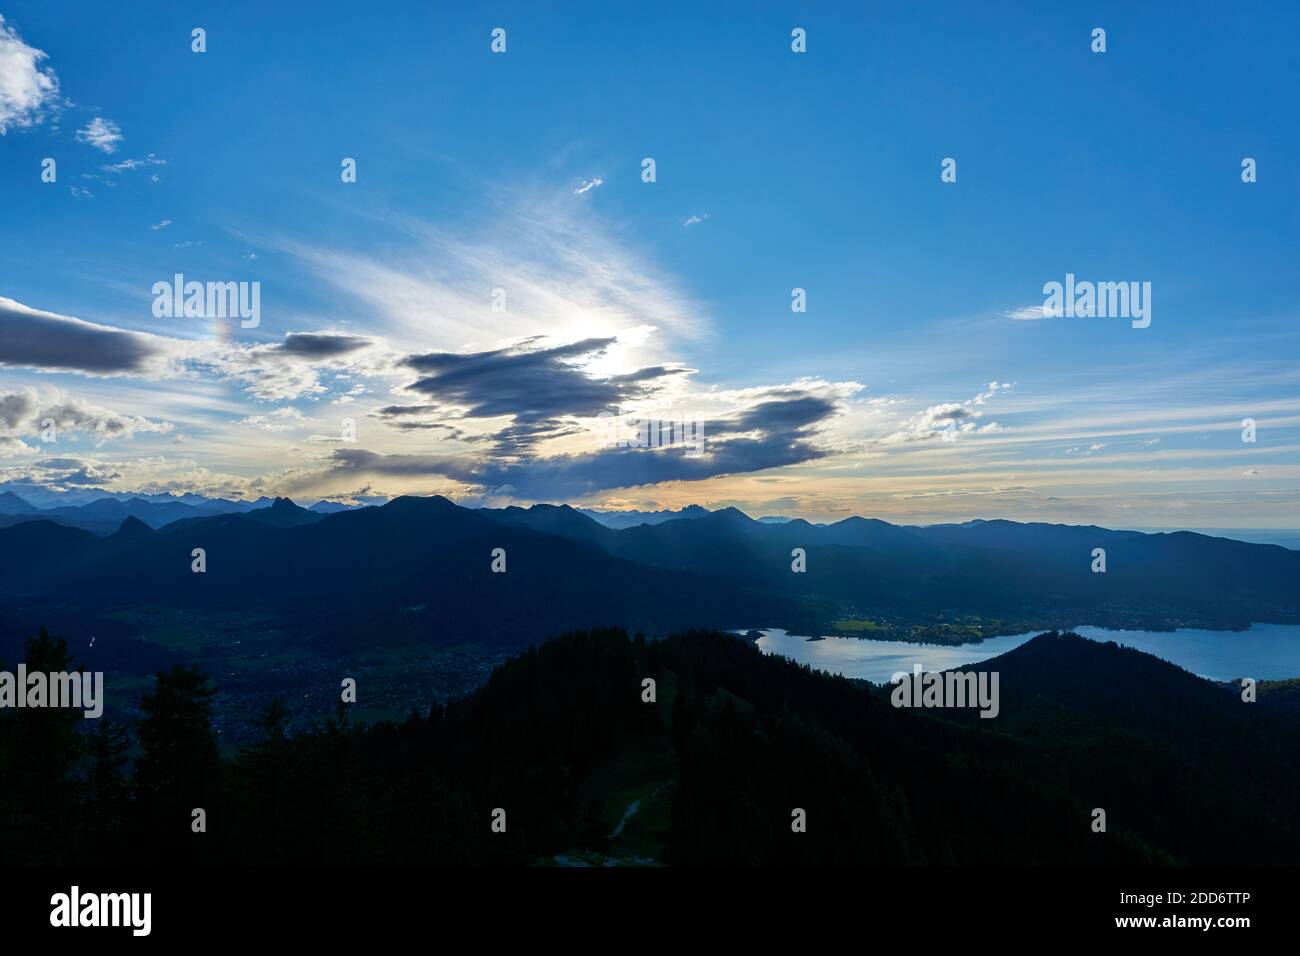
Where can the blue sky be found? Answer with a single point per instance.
(670, 299)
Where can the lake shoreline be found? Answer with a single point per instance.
(1263, 651)
(975, 637)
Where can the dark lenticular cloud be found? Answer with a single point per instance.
(784, 428)
(789, 412)
(540, 389)
(317, 345)
(33, 339)
(530, 384)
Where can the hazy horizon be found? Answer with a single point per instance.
(1286, 537)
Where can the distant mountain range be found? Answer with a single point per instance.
(998, 568)
(104, 514)
(414, 570)
(420, 569)
(633, 518)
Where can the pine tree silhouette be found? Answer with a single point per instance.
(108, 791)
(44, 753)
(179, 766)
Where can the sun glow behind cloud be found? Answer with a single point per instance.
(627, 338)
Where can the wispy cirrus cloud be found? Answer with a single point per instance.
(560, 273)
(102, 134)
(129, 164)
(283, 419)
(1030, 312)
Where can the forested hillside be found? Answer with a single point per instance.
(561, 740)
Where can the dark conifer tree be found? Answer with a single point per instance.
(108, 791)
(179, 766)
(45, 751)
(263, 774)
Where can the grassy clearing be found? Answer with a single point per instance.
(857, 627)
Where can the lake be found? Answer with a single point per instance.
(1265, 652)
